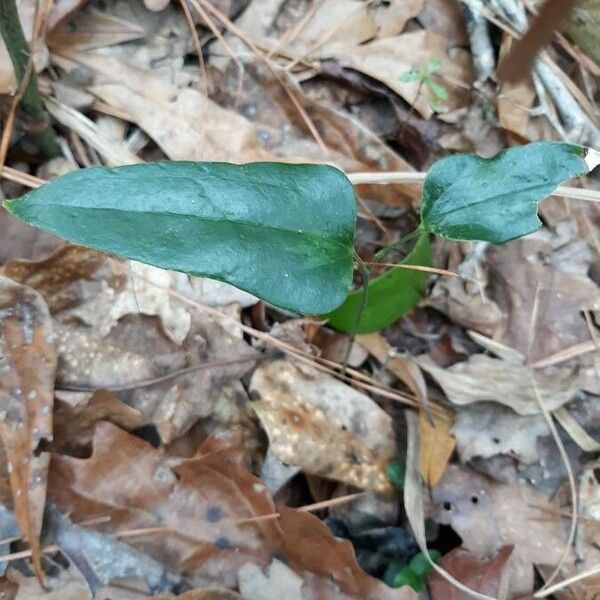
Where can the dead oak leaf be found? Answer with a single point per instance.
(480, 575)
(488, 515)
(323, 426)
(27, 367)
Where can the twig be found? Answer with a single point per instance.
(32, 106)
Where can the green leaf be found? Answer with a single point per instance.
(435, 64)
(396, 472)
(410, 76)
(282, 232)
(390, 295)
(419, 564)
(397, 576)
(438, 90)
(466, 197)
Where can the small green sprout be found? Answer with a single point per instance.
(424, 76)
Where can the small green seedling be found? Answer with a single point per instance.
(414, 574)
(436, 92)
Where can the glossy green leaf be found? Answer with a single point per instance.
(282, 232)
(390, 295)
(466, 197)
(419, 564)
(396, 472)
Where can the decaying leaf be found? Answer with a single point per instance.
(323, 426)
(488, 515)
(437, 444)
(483, 378)
(484, 576)
(28, 367)
(487, 429)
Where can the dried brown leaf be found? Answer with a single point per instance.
(215, 516)
(482, 575)
(437, 445)
(323, 426)
(28, 366)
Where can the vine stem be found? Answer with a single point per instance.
(32, 106)
(410, 177)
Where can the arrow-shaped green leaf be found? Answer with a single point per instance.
(466, 197)
(282, 232)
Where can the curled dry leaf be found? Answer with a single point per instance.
(323, 426)
(28, 367)
(488, 515)
(486, 576)
(483, 378)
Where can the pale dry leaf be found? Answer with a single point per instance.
(335, 24)
(488, 515)
(483, 378)
(486, 429)
(388, 59)
(185, 124)
(172, 386)
(393, 17)
(28, 367)
(323, 426)
(94, 29)
(113, 153)
(277, 582)
(99, 289)
(466, 299)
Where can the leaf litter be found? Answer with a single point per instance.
(134, 425)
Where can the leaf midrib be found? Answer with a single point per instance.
(250, 224)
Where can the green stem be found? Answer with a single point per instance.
(361, 307)
(32, 106)
(397, 244)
